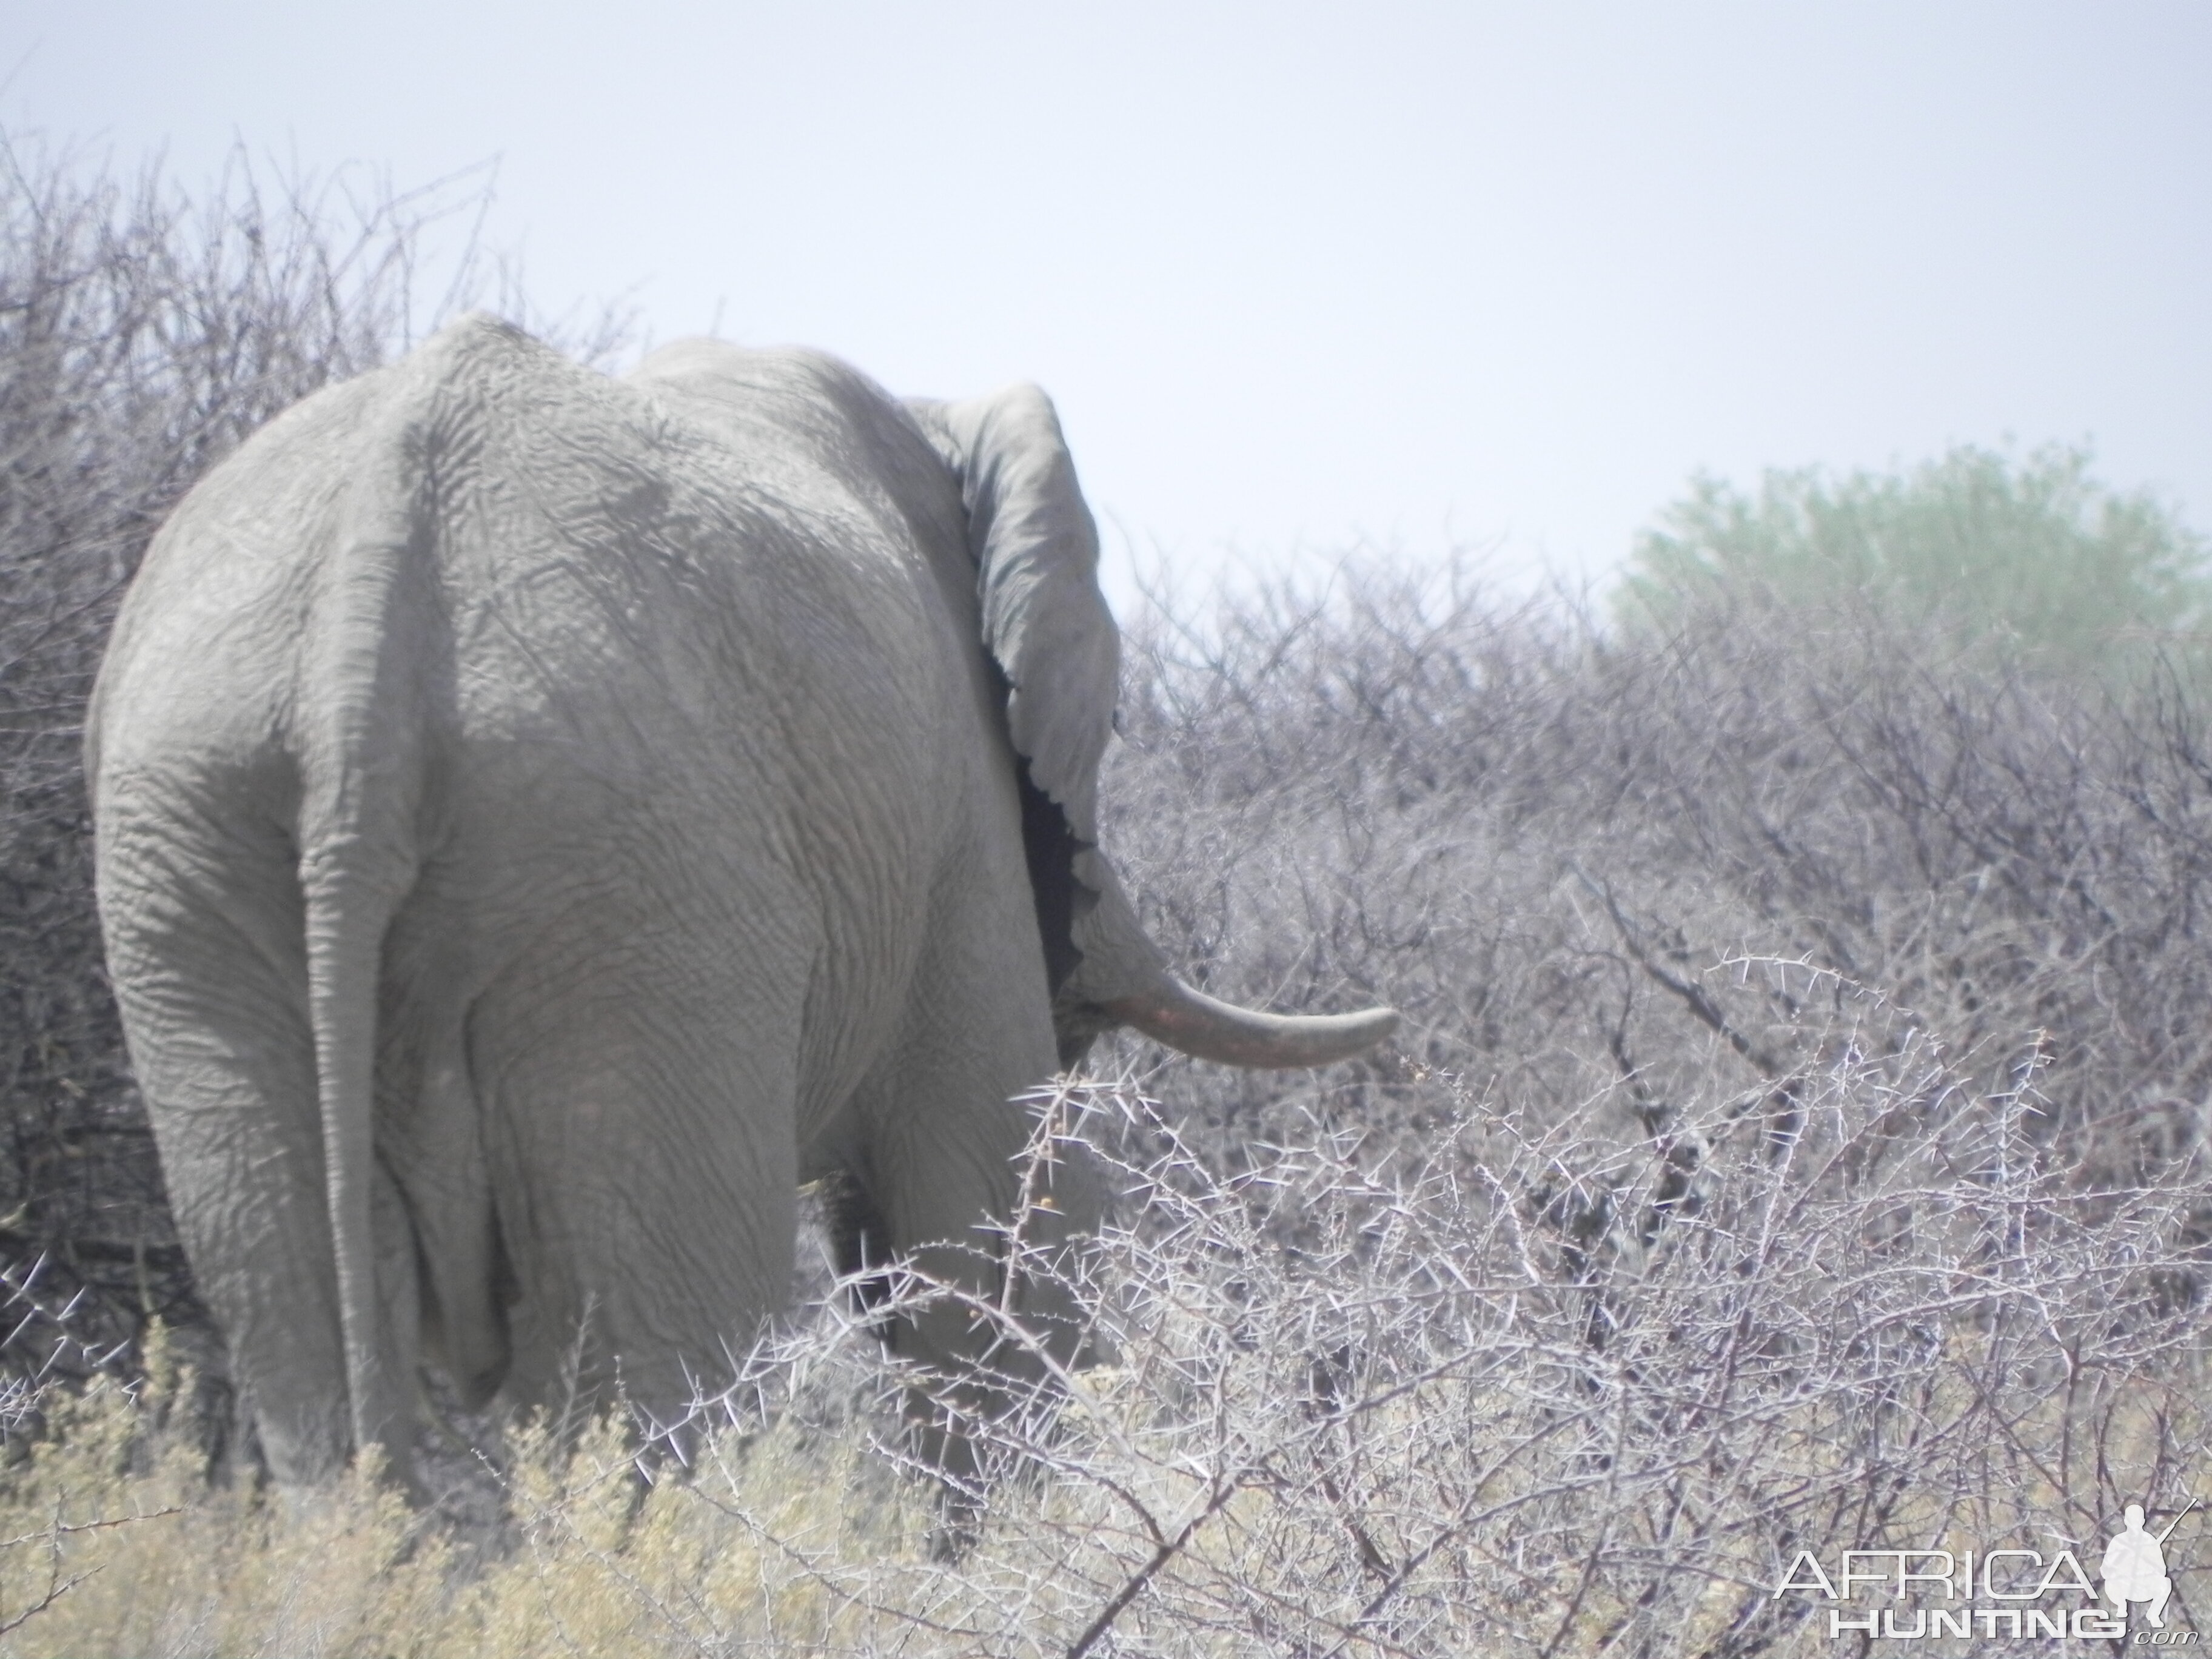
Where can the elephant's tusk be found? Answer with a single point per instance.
(1206, 1029)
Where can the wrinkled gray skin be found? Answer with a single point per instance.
(545, 819)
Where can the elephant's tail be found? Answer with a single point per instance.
(344, 933)
(359, 725)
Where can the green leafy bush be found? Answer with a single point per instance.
(2032, 556)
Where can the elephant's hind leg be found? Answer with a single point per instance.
(205, 949)
(644, 1161)
(946, 1128)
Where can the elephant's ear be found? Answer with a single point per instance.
(1047, 626)
(1045, 623)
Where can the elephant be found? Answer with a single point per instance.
(543, 819)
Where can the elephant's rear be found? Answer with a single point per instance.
(199, 778)
(447, 748)
(260, 749)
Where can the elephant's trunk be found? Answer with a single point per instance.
(1169, 1012)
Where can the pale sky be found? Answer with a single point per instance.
(1303, 278)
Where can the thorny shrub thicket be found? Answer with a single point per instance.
(1796, 1138)
(1761, 1170)
(1538, 841)
(1363, 1401)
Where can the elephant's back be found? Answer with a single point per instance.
(662, 606)
(703, 691)
(668, 677)
(805, 428)
(612, 579)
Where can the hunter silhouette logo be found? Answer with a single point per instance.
(2134, 1568)
(2003, 1591)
